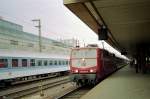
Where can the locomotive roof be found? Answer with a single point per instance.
(85, 48)
(104, 50)
(91, 48)
(16, 53)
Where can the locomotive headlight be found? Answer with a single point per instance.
(83, 59)
(76, 71)
(91, 70)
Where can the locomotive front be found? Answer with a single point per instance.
(83, 65)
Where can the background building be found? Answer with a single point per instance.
(69, 42)
(12, 37)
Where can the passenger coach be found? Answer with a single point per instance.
(18, 67)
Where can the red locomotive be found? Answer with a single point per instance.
(89, 65)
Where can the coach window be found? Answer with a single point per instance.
(105, 53)
(45, 63)
(50, 62)
(24, 62)
(59, 62)
(14, 62)
(39, 62)
(63, 62)
(3, 63)
(55, 63)
(66, 62)
(32, 62)
(148, 59)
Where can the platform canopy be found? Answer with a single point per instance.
(128, 21)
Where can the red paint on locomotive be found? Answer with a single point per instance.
(103, 60)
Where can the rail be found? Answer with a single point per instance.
(22, 90)
(77, 93)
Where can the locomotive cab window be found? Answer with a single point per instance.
(24, 62)
(84, 57)
(14, 62)
(3, 63)
(88, 53)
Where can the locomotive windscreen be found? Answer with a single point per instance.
(85, 57)
(84, 53)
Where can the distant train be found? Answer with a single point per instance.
(18, 67)
(89, 65)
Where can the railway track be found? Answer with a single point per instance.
(21, 90)
(77, 93)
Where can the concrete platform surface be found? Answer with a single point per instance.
(124, 84)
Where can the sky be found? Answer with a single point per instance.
(57, 22)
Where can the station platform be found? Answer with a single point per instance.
(123, 84)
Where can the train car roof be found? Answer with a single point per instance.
(16, 53)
